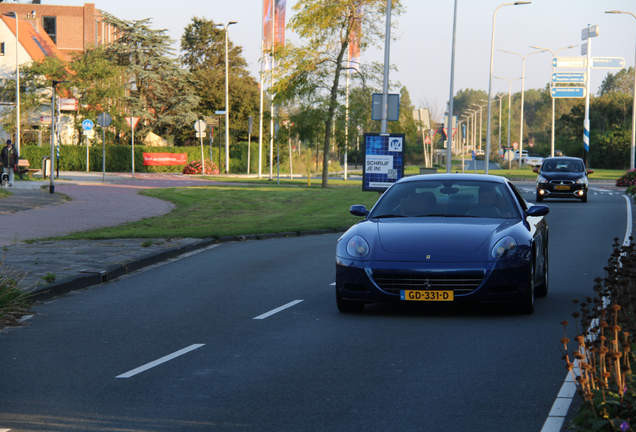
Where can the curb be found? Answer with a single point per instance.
(117, 270)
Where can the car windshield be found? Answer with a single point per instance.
(447, 198)
(562, 165)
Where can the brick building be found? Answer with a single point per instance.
(71, 28)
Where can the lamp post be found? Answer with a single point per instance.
(227, 105)
(17, 86)
(632, 152)
(467, 117)
(480, 123)
(523, 81)
(510, 107)
(554, 53)
(492, 53)
(474, 131)
(499, 96)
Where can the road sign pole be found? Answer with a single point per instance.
(586, 122)
(132, 132)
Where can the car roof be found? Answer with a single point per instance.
(564, 158)
(456, 176)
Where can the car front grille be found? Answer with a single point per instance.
(562, 182)
(458, 283)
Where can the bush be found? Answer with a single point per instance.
(195, 168)
(603, 348)
(628, 179)
(14, 302)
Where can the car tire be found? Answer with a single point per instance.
(526, 307)
(542, 290)
(539, 197)
(348, 306)
(584, 198)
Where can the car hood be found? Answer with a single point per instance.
(436, 236)
(562, 175)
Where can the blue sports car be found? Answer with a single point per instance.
(445, 237)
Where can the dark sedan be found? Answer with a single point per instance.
(562, 177)
(445, 237)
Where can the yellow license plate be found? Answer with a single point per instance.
(562, 188)
(412, 295)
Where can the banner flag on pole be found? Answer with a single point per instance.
(354, 42)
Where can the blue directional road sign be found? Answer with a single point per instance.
(608, 62)
(568, 92)
(569, 62)
(88, 125)
(568, 77)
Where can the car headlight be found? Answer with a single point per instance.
(504, 248)
(357, 247)
(582, 180)
(542, 179)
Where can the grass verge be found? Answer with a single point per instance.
(14, 302)
(218, 211)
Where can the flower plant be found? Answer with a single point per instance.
(602, 361)
(194, 167)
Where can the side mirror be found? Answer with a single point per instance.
(536, 170)
(590, 171)
(358, 210)
(538, 210)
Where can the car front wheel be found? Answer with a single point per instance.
(526, 306)
(584, 198)
(539, 197)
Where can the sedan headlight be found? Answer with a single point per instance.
(541, 179)
(504, 248)
(357, 247)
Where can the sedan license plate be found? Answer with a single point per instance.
(562, 187)
(413, 295)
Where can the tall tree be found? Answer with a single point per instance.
(620, 82)
(313, 71)
(203, 54)
(163, 93)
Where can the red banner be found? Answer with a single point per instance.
(165, 158)
(274, 15)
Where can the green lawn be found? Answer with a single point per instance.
(217, 211)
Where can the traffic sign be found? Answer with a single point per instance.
(200, 135)
(132, 121)
(199, 126)
(212, 121)
(68, 104)
(45, 119)
(104, 119)
(608, 62)
(567, 92)
(568, 77)
(589, 32)
(569, 62)
(88, 125)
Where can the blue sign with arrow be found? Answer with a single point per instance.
(608, 62)
(568, 77)
(88, 125)
(568, 92)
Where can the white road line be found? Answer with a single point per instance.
(564, 399)
(159, 361)
(275, 311)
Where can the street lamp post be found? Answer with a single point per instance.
(554, 53)
(632, 152)
(480, 123)
(492, 53)
(17, 86)
(227, 105)
(523, 81)
(474, 131)
(510, 106)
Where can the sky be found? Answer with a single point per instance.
(422, 53)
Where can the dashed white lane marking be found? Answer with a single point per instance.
(278, 309)
(164, 359)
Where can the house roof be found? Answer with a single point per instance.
(37, 44)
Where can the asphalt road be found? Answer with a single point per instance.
(248, 366)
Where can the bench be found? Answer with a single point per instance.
(23, 168)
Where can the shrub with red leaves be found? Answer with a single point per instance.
(194, 167)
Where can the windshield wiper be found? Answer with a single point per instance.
(386, 216)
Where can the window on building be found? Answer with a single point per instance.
(1, 48)
(49, 24)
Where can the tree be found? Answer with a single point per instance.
(313, 71)
(163, 93)
(203, 54)
(620, 82)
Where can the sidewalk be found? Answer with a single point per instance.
(83, 201)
